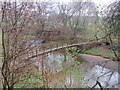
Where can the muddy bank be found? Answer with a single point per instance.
(97, 60)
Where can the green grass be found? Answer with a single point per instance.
(90, 34)
(32, 81)
(98, 51)
(52, 42)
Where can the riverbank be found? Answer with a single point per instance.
(104, 62)
(86, 73)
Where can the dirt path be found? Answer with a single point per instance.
(107, 63)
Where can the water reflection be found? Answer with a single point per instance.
(107, 78)
(64, 71)
(57, 62)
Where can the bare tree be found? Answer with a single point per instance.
(17, 24)
(111, 24)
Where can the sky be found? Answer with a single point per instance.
(97, 2)
(105, 2)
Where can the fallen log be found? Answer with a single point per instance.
(78, 45)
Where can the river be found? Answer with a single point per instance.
(65, 71)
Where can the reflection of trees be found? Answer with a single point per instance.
(21, 23)
(102, 79)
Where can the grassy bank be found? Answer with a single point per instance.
(31, 81)
(100, 51)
